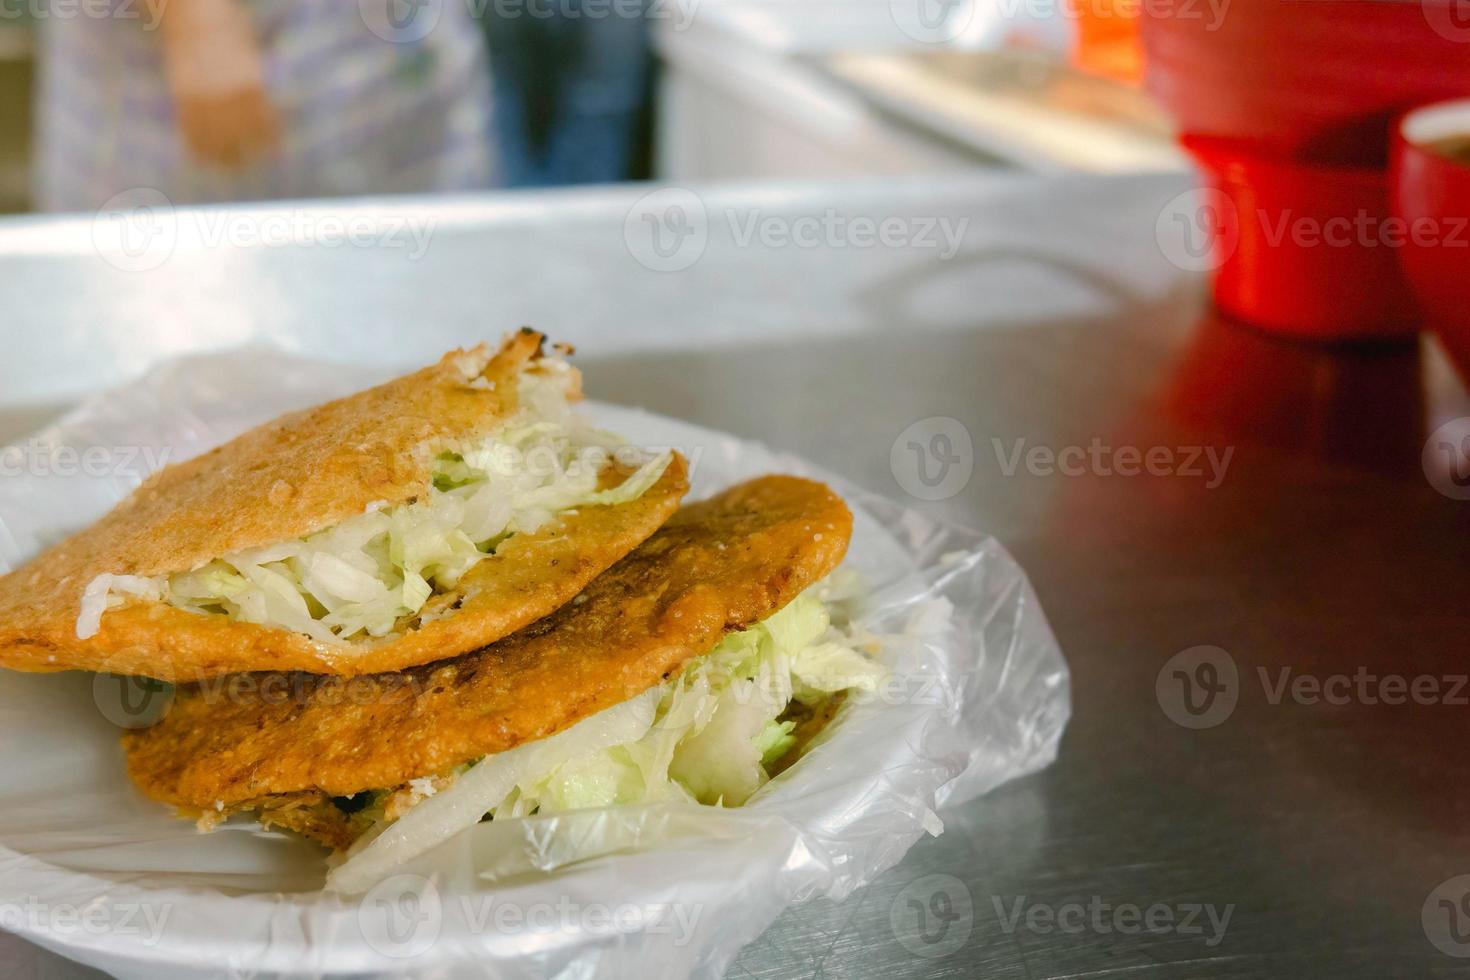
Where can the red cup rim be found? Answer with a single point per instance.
(1416, 131)
(1423, 125)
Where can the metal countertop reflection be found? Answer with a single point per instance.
(1280, 525)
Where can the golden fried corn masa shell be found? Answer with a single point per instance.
(302, 473)
(275, 742)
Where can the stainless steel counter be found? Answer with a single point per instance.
(1287, 834)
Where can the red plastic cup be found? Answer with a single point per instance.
(1309, 253)
(1310, 80)
(1288, 105)
(1431, 195)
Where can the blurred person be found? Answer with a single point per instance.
(571, 89)
(219, 100)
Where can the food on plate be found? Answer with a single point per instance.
(682, 673)
(405, 524)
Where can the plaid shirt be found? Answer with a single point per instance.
(359, 114)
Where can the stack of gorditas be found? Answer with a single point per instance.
(444, 600)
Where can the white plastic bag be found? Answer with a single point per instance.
(91, 869)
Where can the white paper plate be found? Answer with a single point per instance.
(90, 869)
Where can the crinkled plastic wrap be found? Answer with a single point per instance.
(89, 868)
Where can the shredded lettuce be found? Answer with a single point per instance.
(719, 724)
(368, 574)
(449, 811)
(99, 596)
(707, 736)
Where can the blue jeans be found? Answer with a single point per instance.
(569, 91)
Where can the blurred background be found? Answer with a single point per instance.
(1204, 247)
(1291, 115)
(210, 100)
